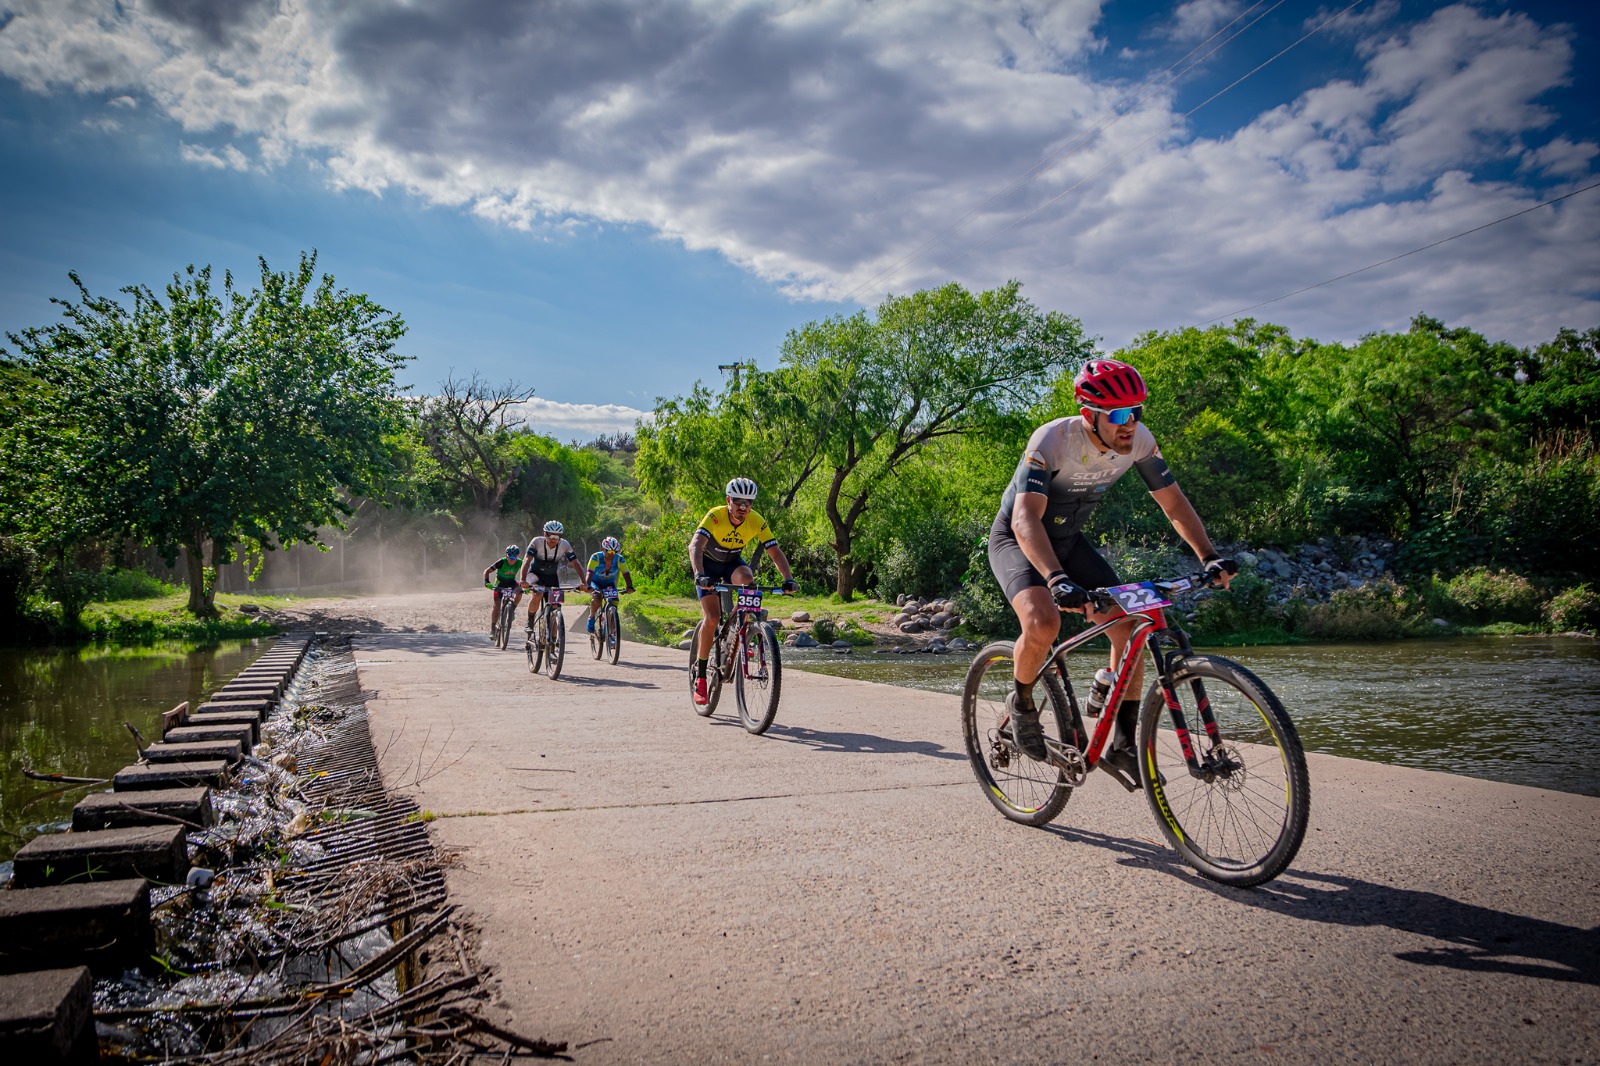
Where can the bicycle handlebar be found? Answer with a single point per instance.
(1102, 599)
(776, 589)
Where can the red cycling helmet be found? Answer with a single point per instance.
(1109, 383)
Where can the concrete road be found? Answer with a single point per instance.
(652, 886)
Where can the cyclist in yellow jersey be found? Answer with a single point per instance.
(715, 552)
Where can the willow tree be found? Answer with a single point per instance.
(202, 421)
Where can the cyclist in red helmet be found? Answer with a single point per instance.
(1037, 549)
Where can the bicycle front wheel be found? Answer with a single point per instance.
(757, 677)
(1020, 788)
(508, 615)
(1238, 813)
(556, 637)
(613, 634)
(536, 644)
(597, 638)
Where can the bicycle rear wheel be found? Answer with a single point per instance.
(535, 644)
(597, 638)
(556, 637)
(1020, 788)
(1241, 816)
(757, 677)
(613, 639)
(713, 676)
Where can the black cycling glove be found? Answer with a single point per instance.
(703, 580)
(1065, 593)
(1216, 565)
(788, 584)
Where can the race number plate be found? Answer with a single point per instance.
(609, 593)
(556, 595)
(748, 600)
(1140, 596)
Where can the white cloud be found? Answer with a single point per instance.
(817, 143)
(1196, 20)
(578, 421)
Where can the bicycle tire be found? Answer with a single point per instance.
(507, 617)
(535, 649)
(713, 676)
(1242, 822)
(597, 638)
(613, 639)
(757, 695)
(556, 657)
(1024, 790)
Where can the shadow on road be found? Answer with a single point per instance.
(859, 742)
(1471, 937)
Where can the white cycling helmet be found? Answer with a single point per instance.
(741, 488)
(611, 544)
(553, 526)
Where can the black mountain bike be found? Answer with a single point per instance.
(745, 652)
(606, 640)
(547, 642)
(506, 617)
(1218, 758)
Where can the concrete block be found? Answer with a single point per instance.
(227, 718)
(155, 852)
(194, 751)
(247, 692)
(151, 776)
(258, 707)
(243, 732)
(104, 925)
(47, 1017)
(111, 810)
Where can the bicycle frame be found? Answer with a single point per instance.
(738, 620)
(544, 599)
(1150, 628)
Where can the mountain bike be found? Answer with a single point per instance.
(547, 641)
(506, 617)
(606, 640)
(744, 650)
(1218, 757)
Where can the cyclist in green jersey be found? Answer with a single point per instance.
(505, 581)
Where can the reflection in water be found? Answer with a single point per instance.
(62, 711)
(1518, 709)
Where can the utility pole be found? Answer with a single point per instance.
(736, 368)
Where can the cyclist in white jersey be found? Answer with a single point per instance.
(541, 565)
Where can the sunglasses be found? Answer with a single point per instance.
(1121, 416)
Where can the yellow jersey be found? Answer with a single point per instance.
(727, 541)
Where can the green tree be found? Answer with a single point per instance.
(203, 419)
(470, 428)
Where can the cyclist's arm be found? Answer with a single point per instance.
(780, 560)
(1027, 525)
(697, 552)
(522, 571)
(1181, 513)
(486, 572)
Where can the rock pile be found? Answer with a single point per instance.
(918, 616)
(1314, 572)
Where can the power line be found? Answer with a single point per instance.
(1119, 110)
(1123, 155)
(1402, 255)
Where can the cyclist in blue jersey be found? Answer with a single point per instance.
(1040, 557)
(604, 566)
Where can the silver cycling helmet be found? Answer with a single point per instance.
(611, 544)
(741, 488)
(553, 526)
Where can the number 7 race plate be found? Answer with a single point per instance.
(749, 600)
(1140, 596)
(556, 595)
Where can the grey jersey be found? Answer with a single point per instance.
(1062, 462)
(545, 559)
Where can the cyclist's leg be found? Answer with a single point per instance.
(742, 575)
(1025, 590)
(535, 598)
(710, 613)
(494, 610)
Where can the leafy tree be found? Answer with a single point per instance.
(470, 429)
(196, 418)
(1558, 387)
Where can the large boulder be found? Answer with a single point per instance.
(943, 620)
(804, 640)
(912, 626)
(800, 616)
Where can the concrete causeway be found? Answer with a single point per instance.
(652, 886)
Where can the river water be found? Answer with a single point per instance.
(62, 711)
(1518, 709)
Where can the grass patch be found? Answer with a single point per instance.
(661, 618)
(167, 618)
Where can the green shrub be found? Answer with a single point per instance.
(1146, 559)
(852, 633)
(1379, 610)
(658, 554)
(981, 602)
(1574, 610)
(1241, 608)
(1480, 595)
(924, 559)
(825, 629)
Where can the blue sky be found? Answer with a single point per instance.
(604, 199)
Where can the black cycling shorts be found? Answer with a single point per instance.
(721, 573)
(1084, 566)
(548, 578)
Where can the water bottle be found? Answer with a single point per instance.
(1103, 680)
